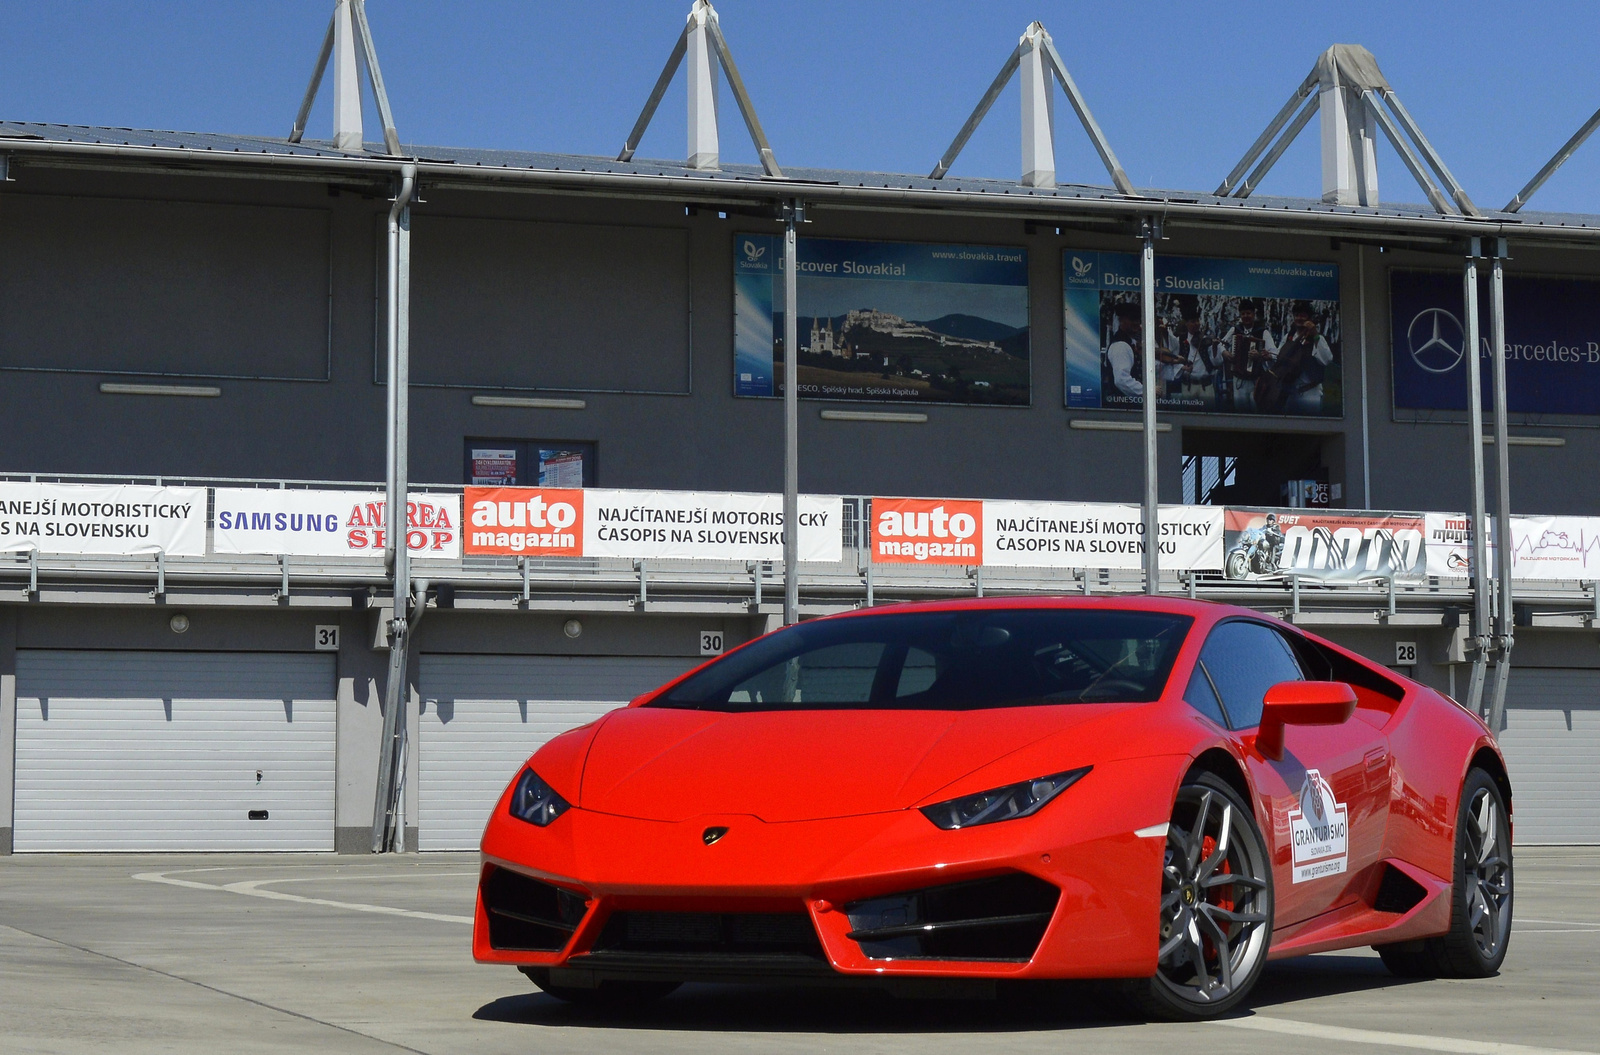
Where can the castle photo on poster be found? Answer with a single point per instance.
(885, 321)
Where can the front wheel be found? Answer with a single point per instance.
(1480, 908)
(1238, 565)
(1215, 916)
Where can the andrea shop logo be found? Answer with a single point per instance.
(927, 531)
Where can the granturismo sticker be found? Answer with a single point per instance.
(1319, 829)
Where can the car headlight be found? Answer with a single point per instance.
(1001, 804)
(535, 801)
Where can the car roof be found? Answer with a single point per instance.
(1199, 609)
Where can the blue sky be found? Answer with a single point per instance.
(1181, 89)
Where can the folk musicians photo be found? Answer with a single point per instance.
(1220, 354)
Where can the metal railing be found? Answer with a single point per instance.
(724, 585)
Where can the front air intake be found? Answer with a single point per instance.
(526, 915)
(1003, 918)
(711, 933)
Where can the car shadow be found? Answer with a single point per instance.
(848, 1009)
(1326, 974)
(830, 1009)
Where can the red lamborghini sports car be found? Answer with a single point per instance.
(1168, 793)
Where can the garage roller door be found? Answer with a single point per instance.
(1551, 742)
(482, 716)
(174, 751)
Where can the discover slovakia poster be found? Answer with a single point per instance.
(885, 321)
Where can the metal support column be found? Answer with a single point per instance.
(1502, 453)
(1480, 568)
(388, 824)
(1147, 344)
(792, 214)
(1366, 416)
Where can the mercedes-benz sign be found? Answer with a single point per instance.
(1436, 340)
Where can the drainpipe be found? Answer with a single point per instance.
(388, 819)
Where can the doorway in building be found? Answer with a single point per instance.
(1257, 468)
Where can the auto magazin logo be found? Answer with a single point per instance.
(753, 253)
(927, 531)
(528, 521)
(1436, 340)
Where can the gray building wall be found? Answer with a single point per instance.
(704, 438)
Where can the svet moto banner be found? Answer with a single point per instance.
(1327, 546)
(1232, 336)
(904, 322)
(331, 523)
(103, 518)
(1040, 534)
(1552, 343)
(681, 525)
(1543, 547)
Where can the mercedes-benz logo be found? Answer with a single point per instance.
(1436, 340)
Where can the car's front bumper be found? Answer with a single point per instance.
(1103, 924)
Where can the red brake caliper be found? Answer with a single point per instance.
(1220, 896)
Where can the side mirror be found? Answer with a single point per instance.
(1301, 703)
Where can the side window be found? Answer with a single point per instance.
(1200, 696)
(918, 673)
(1244, 661)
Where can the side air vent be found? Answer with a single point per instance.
(526, 915)
(711, 934)
(988, 919)
(1398, 892)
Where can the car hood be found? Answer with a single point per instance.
(670, 764)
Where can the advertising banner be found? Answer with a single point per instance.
(927, 531)
(889, 321)
(331, 523)
(1552, 343)
(680, 525)
(1039, 534)
(1232, 336)
(1544, 547)
(1329, 547)
(1085, 535)
(103, 518)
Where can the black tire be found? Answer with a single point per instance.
(1199, 976)
(613, 995)
(1480, 899)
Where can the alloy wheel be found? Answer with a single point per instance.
(1215, 900)
(1487, 875)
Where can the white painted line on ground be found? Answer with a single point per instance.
(1562, 922)
(1417, 1041)
(252, 888)
(401, 875)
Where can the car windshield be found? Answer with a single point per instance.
(953, 660)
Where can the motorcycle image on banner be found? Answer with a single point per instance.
(1324, 547)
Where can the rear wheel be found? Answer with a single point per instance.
(1480, 904)
(612, 994)
(1216, 906)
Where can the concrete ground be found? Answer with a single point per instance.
(306, 954)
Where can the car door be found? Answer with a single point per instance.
(1327, 813)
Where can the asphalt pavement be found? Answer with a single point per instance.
(277, 954)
